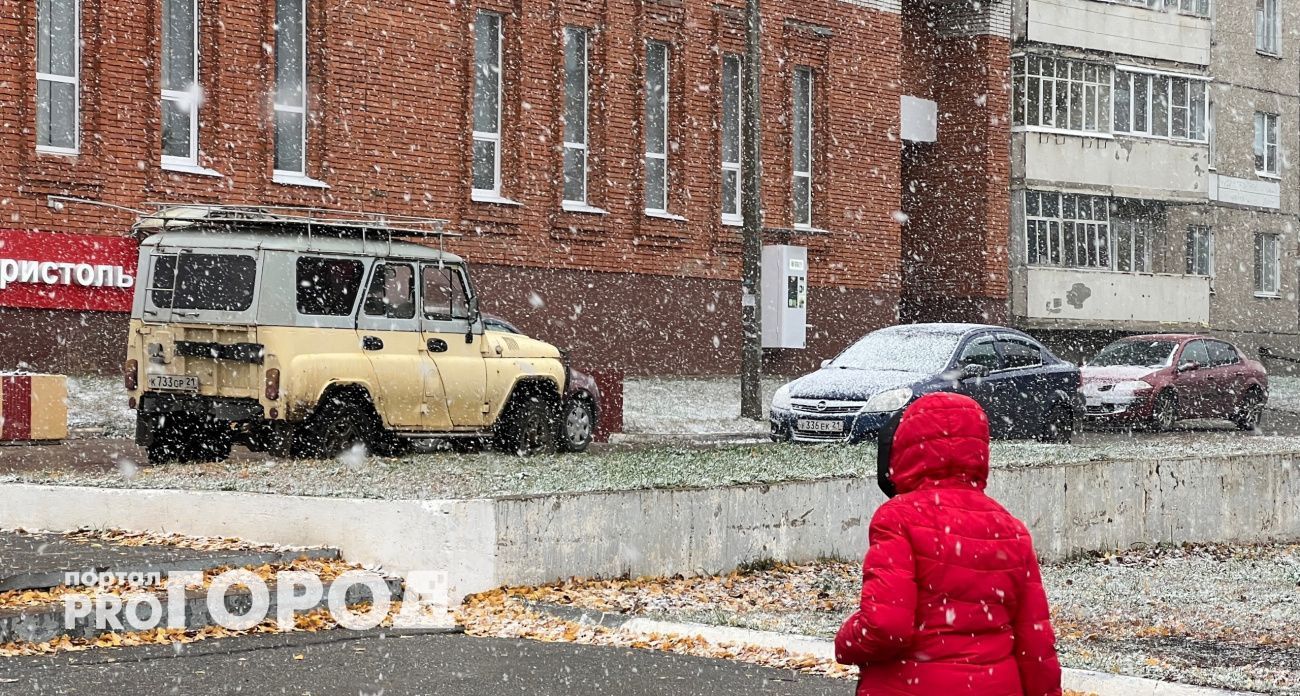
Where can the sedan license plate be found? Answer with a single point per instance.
(185, 383)
(820, 426)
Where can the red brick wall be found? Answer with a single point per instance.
(955, 190)
(390, 130)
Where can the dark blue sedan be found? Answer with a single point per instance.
(1026, 391)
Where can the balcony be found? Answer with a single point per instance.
(1123, 29)
(1145, 168)
(1082, 298)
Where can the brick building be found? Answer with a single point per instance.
(587, 151)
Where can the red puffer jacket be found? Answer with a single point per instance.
(952, 600)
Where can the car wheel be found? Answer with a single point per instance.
(1250, 411)
(527, 426)
(577, 427)
(1060, 426)
(336, 427)
(1164, 415)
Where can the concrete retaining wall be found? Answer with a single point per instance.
(483, 544)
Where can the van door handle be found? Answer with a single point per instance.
(437, 345)
(372, 343)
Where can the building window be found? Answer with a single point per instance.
(803, 146)
(1198, 8)
(575, 115)
(1062, 94)
(1268, 264)
(487, 104)
(1200, 250)
(1162, 106)
(1266, 144)
(180, 82)
(291, 87)
(1070, 230)
(1133, 244)
(58, 75)
(731, 129)
(1267, 27)
(656, 126)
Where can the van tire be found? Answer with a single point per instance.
(527, 425)
(340, 423)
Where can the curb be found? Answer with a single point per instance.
(46, 623)
(1097, 683)
(46, 579)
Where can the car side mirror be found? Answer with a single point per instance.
(1189, 366)
(974, 371)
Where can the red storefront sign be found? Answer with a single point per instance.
(48, 270)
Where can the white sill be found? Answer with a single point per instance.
(295, 179)
(1063, 131)
(1268, 175)
(576, 207)
(64, 151)
(1268, 295)
(733, 222)
(663, 215)
(1268, 54)
(186, 168)
(809, 229)
(489, 197)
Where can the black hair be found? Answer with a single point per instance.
(884, 450)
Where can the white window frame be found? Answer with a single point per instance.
(1266, 125)
(1268, 24)
(666, 110)
(808, 143)
(74, 79)
(1195, 235)
(733, 217)
(1268, 257)
(291, 175)
(190, 99)
(580, 147)
(1094, 96)
(1094, 228)
(490, 136)
(1148, 129)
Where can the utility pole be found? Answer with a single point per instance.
(751, 201)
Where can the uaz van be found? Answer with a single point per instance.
(305, 333)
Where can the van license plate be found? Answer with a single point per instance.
(187, 383)
(821, 426)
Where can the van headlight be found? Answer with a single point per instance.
(888, 401)
(781, 399)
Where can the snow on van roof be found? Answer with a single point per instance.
(279, 241)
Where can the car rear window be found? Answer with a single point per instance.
(328, 287)
(212, 282)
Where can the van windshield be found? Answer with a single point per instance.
(214, 282)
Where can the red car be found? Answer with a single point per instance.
(1161, 379)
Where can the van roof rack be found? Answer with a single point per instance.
(323, 221)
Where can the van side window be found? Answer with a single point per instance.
(444, 294)
(392, 292)
(328, 287)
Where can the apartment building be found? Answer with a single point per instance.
(1153, 185)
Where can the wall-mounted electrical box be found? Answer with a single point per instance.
(785, 296)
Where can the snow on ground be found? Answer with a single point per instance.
(690, 405)
(98, 405)
(1213, 615)
(1284, 393)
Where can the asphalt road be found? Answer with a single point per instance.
(371, 664)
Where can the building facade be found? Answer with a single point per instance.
(1153, 188)
(588, 151)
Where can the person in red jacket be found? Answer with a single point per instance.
(952, 599)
